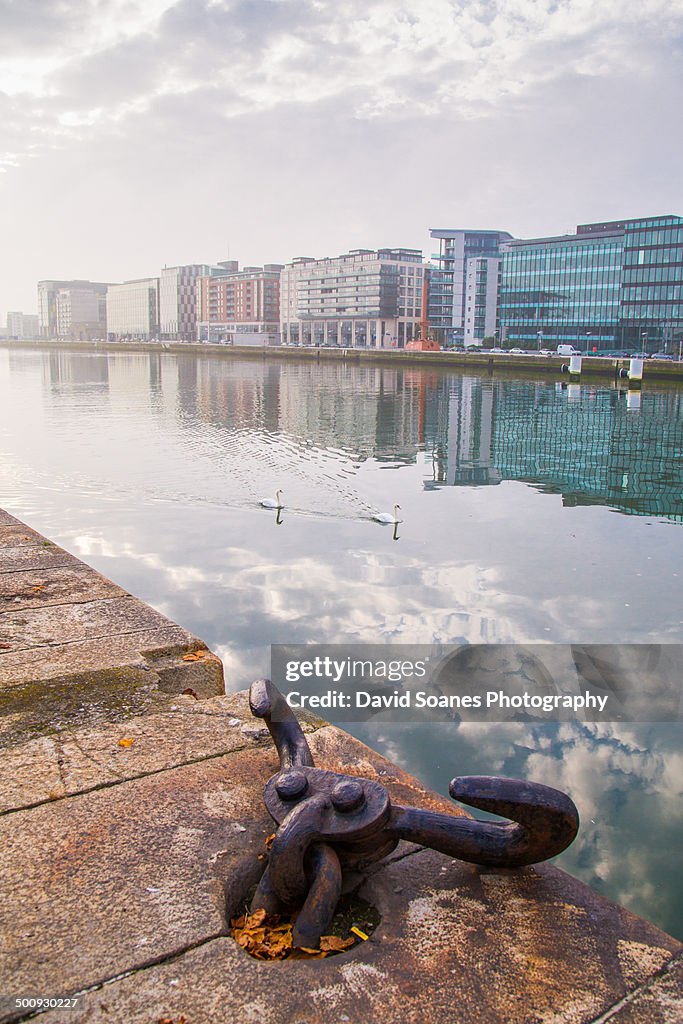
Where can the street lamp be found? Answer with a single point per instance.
(643, 340)
(588, 340)
(540, 339)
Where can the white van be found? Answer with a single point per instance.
(567, 350)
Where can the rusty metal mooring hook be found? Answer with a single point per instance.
(265, 700)
(328, 822)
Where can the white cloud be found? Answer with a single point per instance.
(398, 59)
(342, 107)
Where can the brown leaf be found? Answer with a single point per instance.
(269, 840)
(332, 943)
(126, 741)
(194, 656)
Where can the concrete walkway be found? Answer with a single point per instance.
(132, 827)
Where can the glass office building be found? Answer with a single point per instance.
(652, 287)
(612, 285)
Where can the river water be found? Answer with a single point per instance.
(532, 513)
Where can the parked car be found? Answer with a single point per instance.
(517, 351)
(662, 355)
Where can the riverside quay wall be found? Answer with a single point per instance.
(132, 828)
(655, 370)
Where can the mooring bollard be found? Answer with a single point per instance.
(575, 366)
(328, 823)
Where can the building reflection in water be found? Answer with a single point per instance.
(591, 444)
(602, 449)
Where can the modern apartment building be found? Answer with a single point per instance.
(612, 285)
(133, 310)
(482, 280)
(22, 325)
(461, 304)
(239, 307)
(365, 297)
(72, 309)
(178, 300)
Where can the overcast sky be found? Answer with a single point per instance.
(138, 133)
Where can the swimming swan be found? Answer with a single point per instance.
(387, 518)
(269, 503)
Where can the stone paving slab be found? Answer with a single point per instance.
(49, 688)
(82, 658)
(17, 534)
(456, 944)
(20, 557)
(91, 620)
(97, 884)
(74, 647)
(66, 584)
(166, 733)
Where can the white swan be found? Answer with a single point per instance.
(269, 503)
(387, 518)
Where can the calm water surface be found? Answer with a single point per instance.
(532, 513)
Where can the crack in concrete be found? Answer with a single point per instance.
(373, 869)
(106, 636)
(33, 568)
(610, 1013)
(131, 778)
(161, 960)
(71, 738)
(39, 602)
(122, 596)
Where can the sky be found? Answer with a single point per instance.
(141, 133)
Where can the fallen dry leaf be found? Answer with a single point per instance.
(39, 587)
(306, 954)
(332, 943)
(269, 937)
(264, 937)
(126, 742)
(269, 840)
